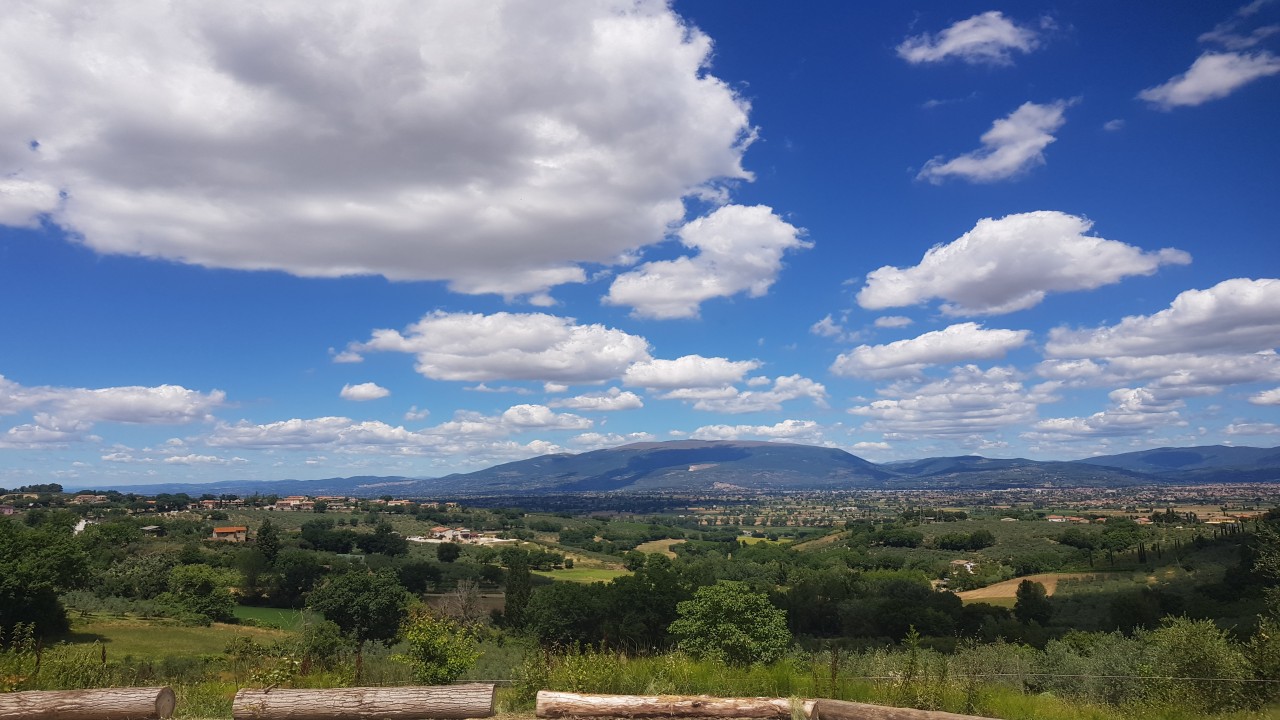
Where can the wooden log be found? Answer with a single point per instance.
(562, 704)
(842, 710)
(473, 700)
(134, 703)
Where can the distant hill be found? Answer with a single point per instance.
(688, 465)
(976, 472)
(709, 466)
(1176, 462)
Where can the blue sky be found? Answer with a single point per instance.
(420, 238)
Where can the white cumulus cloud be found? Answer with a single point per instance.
(1266, 397)
(739, 249)
(1237, 315)
(363, 392)
(511, 346)
(988, 38)
(1012, 146)
(609, 400)
(963, 341)
(806, 430)
(62, 414)
(494, 145)
(733, 401)
(690, 371)
(1212, 76)
(969, 401)
(1011, 263)
(1134, 411)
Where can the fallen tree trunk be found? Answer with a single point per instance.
(149, 703)
(561, 704)
(474, 700)
(842, 710)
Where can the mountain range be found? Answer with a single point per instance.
(730, 466)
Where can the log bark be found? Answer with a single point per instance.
(148, 703)
(561, 704)
(842, 710)
(473, 700)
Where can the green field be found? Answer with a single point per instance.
(284, 619)
(152, 638)
(582, 575)
(746, 540)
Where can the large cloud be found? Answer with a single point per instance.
(964, 341)
(61, 414)
(1012, 146)
(1238, 315)
(492, 144)
(1212, 76)
(969, 401)
(1011, 263)
(734, 401)
(989, 38)
(739, 250)
(690, 371)
(1134, 411)
(511, 346)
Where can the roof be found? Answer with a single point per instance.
(231, 529)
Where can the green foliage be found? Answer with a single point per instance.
(35, 566)
(448, 552)
(1032, 603)
(519, 587)
(267, 540)
(201, 591)
(439, 649)
(384, 541)
(728, 622)
(366, 607)
(296, 574)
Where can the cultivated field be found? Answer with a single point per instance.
(1009, 588)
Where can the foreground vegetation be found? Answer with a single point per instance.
(1089, 620)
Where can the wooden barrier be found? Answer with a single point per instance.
(473, 700)
(149, 703)
(563, 704)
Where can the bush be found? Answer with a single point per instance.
(728, 622)
(440, 650)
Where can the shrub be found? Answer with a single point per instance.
(440, 650)
(728, 622)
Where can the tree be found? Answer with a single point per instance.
(366, 607)
(385, 541)
(201, 591)
(252, 563)
(440, 649)
(35, 567)
(1032, 603)
(268, 541)
(448, 552)
(728, 622)
(297, 572)
(518, 589)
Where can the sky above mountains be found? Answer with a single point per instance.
(244, 240)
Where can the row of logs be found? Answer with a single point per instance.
(449, 702)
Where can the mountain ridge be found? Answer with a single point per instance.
(719, 465)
